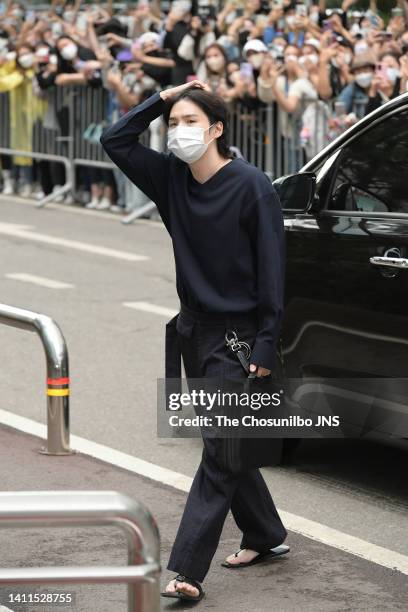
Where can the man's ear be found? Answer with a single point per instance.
(220, 125)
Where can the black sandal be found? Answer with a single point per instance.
(271, 553)
(186, 596)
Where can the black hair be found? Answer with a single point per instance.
(215, 109)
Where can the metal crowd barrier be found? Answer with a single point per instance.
(267, 137)
(90, 508)
(58, 381)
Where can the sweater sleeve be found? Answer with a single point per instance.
(146, 168)
(268, 237)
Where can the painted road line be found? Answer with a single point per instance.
(298, 524)
(38, 280)
(24, 231)
(80, 210)
(147, 307)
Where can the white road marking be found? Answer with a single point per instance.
(80, 210)
(305, 527)
(38, 280)
(24, 231)
(147, 307)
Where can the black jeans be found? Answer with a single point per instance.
(214, 491)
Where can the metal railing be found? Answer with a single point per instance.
(58, 381)
(275, 141)
(90, 508)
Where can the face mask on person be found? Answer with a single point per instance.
(68, 16)
(314, 17)
(279, 49)
(215, 63)
(311, 57)
(364, 79)
(291, 20)
(392, 74)
(187, 142)
(256, 60)
(26, 60)
(291, 58)
(11, 55)
(17, 13)
(42, 54)
(3, 43)
(69, 51)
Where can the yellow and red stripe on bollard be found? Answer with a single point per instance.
(58, 387)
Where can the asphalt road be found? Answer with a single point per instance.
(116, 357)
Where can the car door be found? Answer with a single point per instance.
(346, 312)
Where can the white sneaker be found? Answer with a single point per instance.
(93, 203)
(60, 197)
(39, 195)
(68, 199)
(116, 209)
(25, 191)
(104, 204)
(8, 187)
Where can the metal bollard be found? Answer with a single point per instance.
(58, 381)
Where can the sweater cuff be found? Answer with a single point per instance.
(264, 354)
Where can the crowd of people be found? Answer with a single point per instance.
(302, 57)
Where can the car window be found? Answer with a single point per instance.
(372, 171)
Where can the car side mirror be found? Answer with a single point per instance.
(296, 191)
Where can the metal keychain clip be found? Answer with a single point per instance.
(236, 344)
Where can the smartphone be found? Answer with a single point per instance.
(381, 71)
(247, 71)
(301, 10)
(327, 25)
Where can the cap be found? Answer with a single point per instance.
(362, 60)
(313, 42)
(254, 45)
(149, 37)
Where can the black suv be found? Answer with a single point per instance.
(346, 312)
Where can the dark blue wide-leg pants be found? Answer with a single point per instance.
(214, 492)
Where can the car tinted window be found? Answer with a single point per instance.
(372, 171)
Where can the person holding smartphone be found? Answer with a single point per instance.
(386, 83)
(225, 221)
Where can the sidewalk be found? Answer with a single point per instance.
(313, 577)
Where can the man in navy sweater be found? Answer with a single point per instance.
(226, 225)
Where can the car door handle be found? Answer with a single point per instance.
(390, 262)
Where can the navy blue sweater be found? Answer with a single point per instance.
(227, 233)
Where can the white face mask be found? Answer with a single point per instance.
(69, 51)
(26, 60)
(392, 74)
(364, 79)
(187, 142)
(291, 58)
(291, 20)
(215, 63)
(256, 60)
(311, 57)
